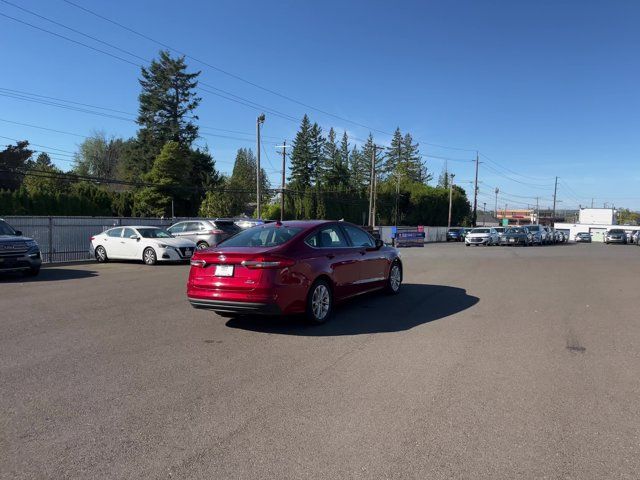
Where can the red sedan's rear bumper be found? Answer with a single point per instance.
(227, 306)
(280, 300)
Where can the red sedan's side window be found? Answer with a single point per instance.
(328, 237)
(359, 238)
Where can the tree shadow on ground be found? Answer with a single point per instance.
(416, 305)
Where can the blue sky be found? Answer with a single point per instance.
(540, 88)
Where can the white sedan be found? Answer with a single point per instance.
(149, 244)
(482, 236)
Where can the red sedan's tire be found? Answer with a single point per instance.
(319, 302)
(394, 282)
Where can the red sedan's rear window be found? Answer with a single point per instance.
(262, 236)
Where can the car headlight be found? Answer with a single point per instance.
(162, 245)
(31, 243)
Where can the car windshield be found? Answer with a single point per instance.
(154, 233)
(583, 234)
(263, 236)
(480, 230)
(616, 231)
(515, 230)
(454, 230)
(533, 228)
(5, 229)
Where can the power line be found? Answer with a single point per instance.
(242, 79)
(43, 128)
(69, 39)
(22, 95)
(535, 179)
(31, 94)
(497, 172)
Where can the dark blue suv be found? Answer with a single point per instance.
(455, 235)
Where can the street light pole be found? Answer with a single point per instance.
(484, 213)
(259, 121)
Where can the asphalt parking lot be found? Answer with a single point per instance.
(493, 363)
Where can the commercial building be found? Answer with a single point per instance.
(516, 217)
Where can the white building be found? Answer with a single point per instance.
(597, 216)
(597, 231)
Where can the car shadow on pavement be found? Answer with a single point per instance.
(48, 275)
(415, 305)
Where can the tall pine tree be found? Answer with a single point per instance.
(167, 103)
(302, 157)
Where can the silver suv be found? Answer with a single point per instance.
(538, 234)
(205, 233)
(18, 253)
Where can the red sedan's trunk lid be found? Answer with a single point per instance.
(241, 278)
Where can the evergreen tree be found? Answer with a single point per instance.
(44, 178)
(345, 161)
(302, 157)
(243, 182)
(318, 162)
(169, 176)
(167, 102)
(415, 169)
(330, 170)
(359, 169)
(394, 156)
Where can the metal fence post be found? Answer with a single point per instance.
(50, 239)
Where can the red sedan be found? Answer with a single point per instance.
(292, 267)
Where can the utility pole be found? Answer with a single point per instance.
(484, 213)
(496, 210)
(284, 169)
(592, 203)
(398, 181)
(372, 188)
(450, 198)
(537, 209)
(259, 121)
(475, 193)
(553, 215)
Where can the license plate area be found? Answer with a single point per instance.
(223, 271)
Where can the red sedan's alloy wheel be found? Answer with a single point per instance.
(319, 302)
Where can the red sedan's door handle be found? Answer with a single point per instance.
(330, 256)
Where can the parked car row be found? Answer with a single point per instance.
(515, 235)
(614, 235)
(153, 244)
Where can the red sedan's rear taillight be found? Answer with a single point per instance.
(91, 239)
(216, 232)
(198, 263)
(269, 261)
